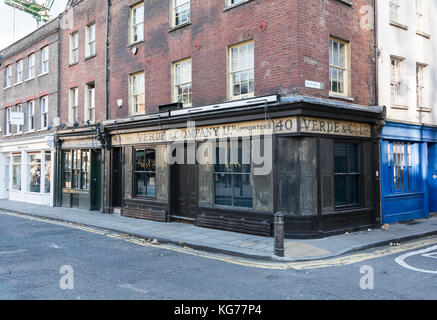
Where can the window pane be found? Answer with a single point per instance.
(243, 196)
(340, 190)
(48, 169)
(223, 189)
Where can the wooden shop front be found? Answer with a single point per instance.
(322, 158)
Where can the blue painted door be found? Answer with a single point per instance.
(432, 177)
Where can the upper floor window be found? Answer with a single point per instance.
(45, 60)
(90, 103)
(31, 66)
(241, 71)
(19, 71)
(137, 23)
(74, 48)
(137, 93)
(395, 80)
(19, 110)
(90, 48)
(420, 85)
(338, 67)
(31, 116)
(8, 121)
(74, 105)
(182, 82)
(181, 12)
(8, 76)
(394, 11)
(419, 15)
(44, 108)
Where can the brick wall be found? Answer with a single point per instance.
(87, 70)
(291, 45)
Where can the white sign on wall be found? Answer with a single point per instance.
(314, 84)
(17, 118)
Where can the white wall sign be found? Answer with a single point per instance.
(17, 118)
(313, 84)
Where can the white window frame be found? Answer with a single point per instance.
(19, 71)
(8, 76)
(74, 47)
(90, 37)
(250, 66)
(231, 3)
(73, 110)
(133, 25)
(175, 5)
(133, 95)
(8, 121)
(419, 15)
(394, 11)
(180, 80)
(31, 66)
(19, 127)
(45, 68)
(31, 115)
(338, 67)
(395, 81)
(90, 103)
(44, 112)
(420, 85)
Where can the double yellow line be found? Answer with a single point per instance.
(302, 265)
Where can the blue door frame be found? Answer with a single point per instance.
(416, 194)
(432, 176)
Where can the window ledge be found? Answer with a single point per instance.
(400, 107)
(73, 64)
(424, 109)
(338, 96)
(16, 84)
(242, 97)
(29, 79)
(135, 43)
(180, 26)
(398, 25)
(27, 132)
(43, 129)
(7, 87)
(423, 34)
(43, 74)
(232, 6)
(89, 57)
(346, 2)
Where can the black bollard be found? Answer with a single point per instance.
(279, 234)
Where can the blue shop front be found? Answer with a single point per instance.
(408, 172)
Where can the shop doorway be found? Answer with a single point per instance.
(183, 192)
(117, 166)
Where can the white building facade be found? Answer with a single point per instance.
(407, 86)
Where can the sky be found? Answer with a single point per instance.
(24, 22)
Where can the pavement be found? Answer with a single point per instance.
(231, 243)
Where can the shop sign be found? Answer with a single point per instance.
(223, 131)
(335, 127)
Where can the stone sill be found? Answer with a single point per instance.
(398, 25)
(232, 6)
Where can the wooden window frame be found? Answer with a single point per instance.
(231, 72)
(176, 84)
(345, 70)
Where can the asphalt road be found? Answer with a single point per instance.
(96, 266)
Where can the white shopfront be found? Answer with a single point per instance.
(26, 173)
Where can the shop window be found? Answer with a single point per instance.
(233, 175)
(401, 165)
(47, 171)
(16, 172)
(346, 174)
(76, 169)
(145, 172)
(34, 172)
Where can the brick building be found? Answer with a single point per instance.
(83, 104)
(300, 74)
(29, 100)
